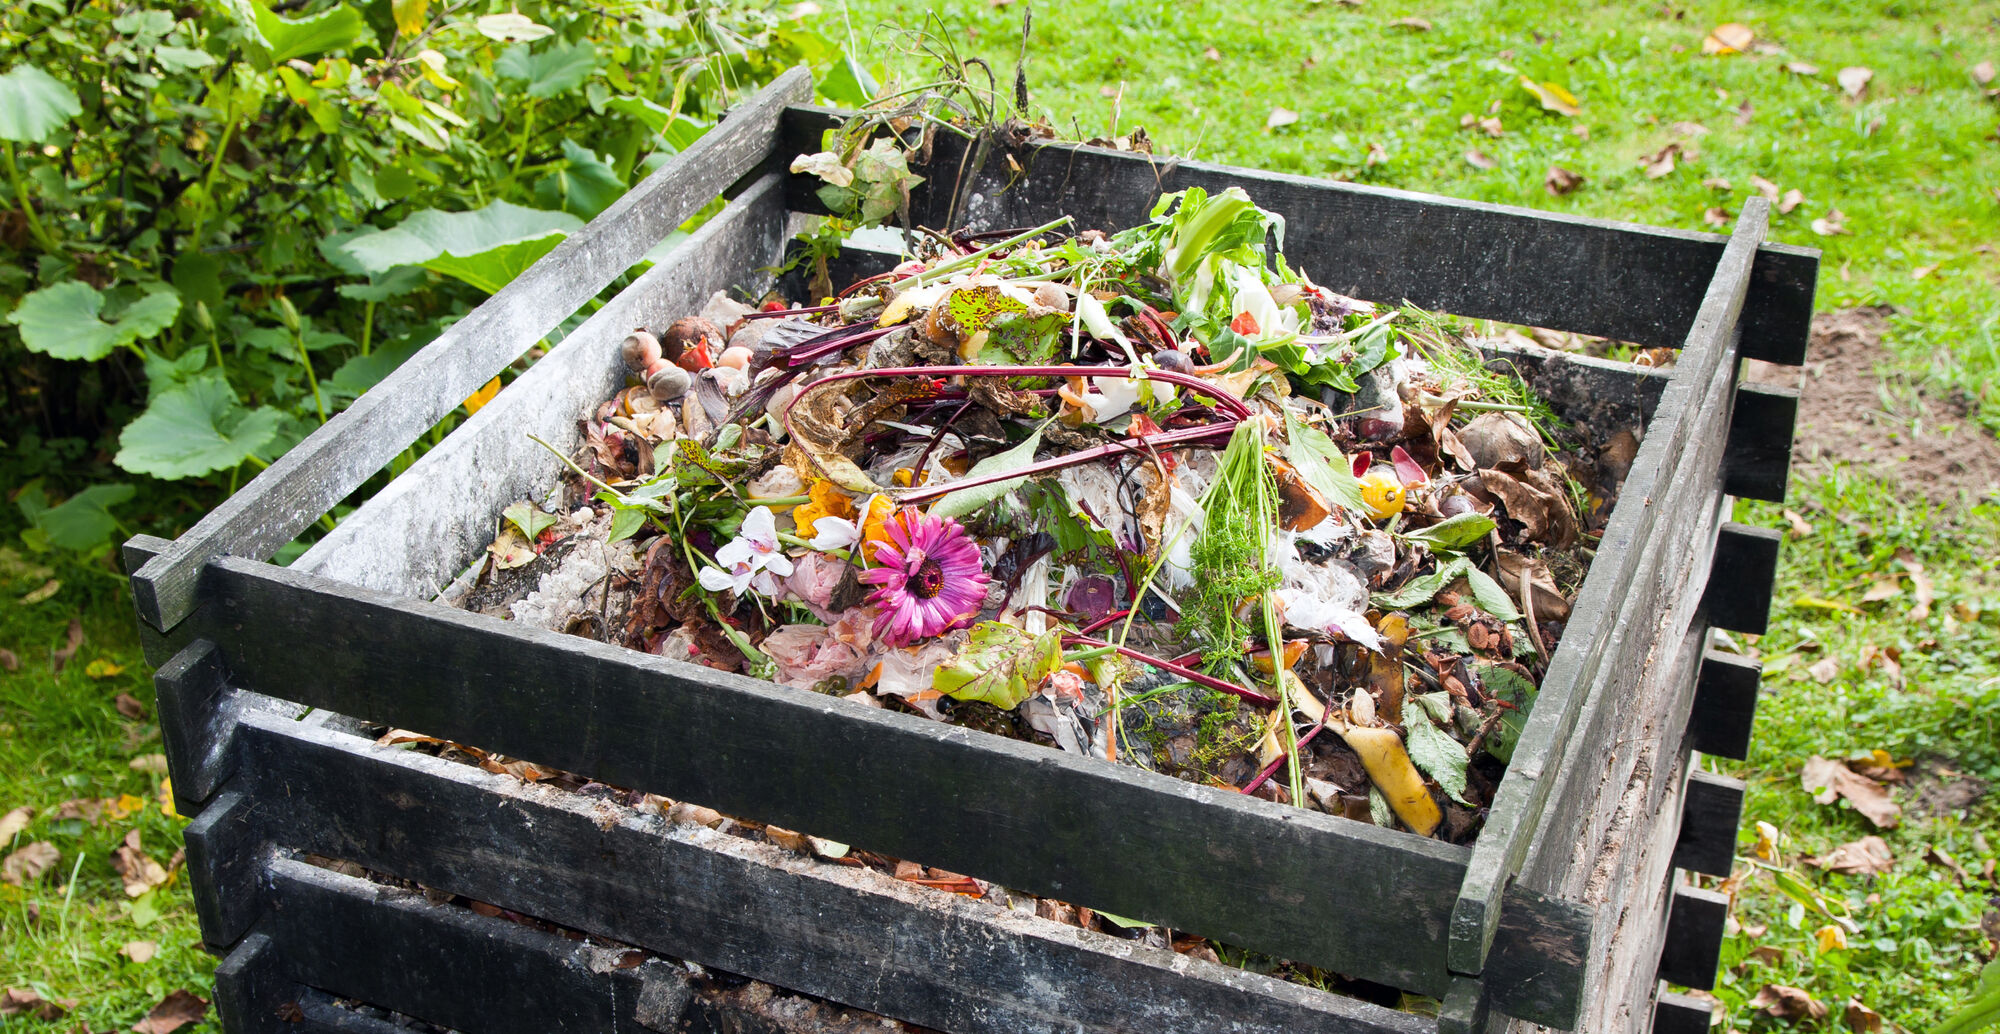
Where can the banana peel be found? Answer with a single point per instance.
(1389, 767)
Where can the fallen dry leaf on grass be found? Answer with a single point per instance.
(1560, 181)
(1716, 183)
(1793, 198)
(1716, 216)
(1764, 187)
(72, 642)
(1824, 670)
(1827, 780)
(1553, 97)
(9, 660)
(177, 1010)
(1660, 162)
(1411, 24)
(1860, 1018)
(1788, 1003)
(29, 863)
(139, 872)
(45, 591)
(1480, 159)
(154, 763)
(1800, 527)
(20, 1001)
(1940, 857)
(129, 706)
(1920, 584)
(140, 951)
(1279, 118)
(1854, 80)
(1835, 223)
(15, 821)
(102, 668)
(1801, 68)
(1982, 73)
(1728, 38)
(1376, 155)
(1212, 54)
(1868, 856)
(1830, 938)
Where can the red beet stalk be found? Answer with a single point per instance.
(1171, 668)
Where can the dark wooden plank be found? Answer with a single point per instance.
(1524, 793)
(1466, 1008)
(1759, 462)
(1711, 809)
(1591, 276)
(1597, 394)
(252, 993)
(414, 536)
(336, 459)
(1693, 948)
(225, 858)
(1725, 705)
(951, 963)
(322, 1013)
(446, 964)
(188, 691)
(1680, 1014)
(1738, 596)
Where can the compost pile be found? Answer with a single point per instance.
(1151, 496)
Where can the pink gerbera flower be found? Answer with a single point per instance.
(930, 578)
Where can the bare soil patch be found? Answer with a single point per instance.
(1895, 431)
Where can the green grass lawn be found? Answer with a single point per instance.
(1911, 163)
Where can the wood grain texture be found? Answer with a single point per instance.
(1711, 809)
(1591, 276)
(1738, 597)
(337, 458)
(1725, 705)
(1694, 938)
(1706, 365)
(416, 534)
(252, 996)
(936, 959)
(1759, 462)
(225, 856)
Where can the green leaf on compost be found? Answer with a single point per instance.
(1435, 751)
(1453, 534)
(62, 321)
(1419, 591)
(1000, 665)
(626, 522)
(529, 518)
(1489, 595)
(1507, 684)
(958, 504)
(1323, 466)
(195, 429)
(34, 104)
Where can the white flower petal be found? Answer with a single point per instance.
(777, 563)
(834, 533)
(760, 528)
(715, 580)
(735, 552)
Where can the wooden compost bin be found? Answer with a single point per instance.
(1565, 913)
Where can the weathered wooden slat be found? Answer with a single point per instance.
(1759, 462)
(225, 857)
(321, 1013)
(1591, 276)
(1525, 792)
(1680, 1014)
(1711, 809)
(252, 995)
(1725, 705)
(451, 966)
(1694, 938)
(1242, 870)
(936, 959)
(1738, 596)
(198, 716)
(334, 460)
(414, 536)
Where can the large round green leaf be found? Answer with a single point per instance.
(195, 429)
(33, 105)
(485, 248)
(62, 321)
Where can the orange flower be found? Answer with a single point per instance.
(874, 529)
(827, 501)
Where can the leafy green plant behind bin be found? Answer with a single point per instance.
(222, 222)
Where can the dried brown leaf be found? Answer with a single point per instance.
(1728, 38)
(1982, 73)
(23, 1002)
(1689, 129)
(1279, 118)
(1920, 585)
(154, 763)
(1868, 856)
(177, 1010)
(1716, 216)
(29, 863)
(72, 642)
(1660, 162)
(1883, 585)
(1800, 527)
(14, 822)
(129, 706)
(1793, 198)
(1788, 1003)
(1801, 68)
(1824, 670)
(1480, 159)
(1212, 54)
(1715, 183)
(140, 951)
(1412, 24)
(1938, 856)
(1860, 1018)
(1854, 80)
(139, 872)
(1827, 780)
(1834, 223)
(1764, 187)
(1559, 181)
(1376, 155)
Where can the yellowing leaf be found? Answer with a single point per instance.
(125, 805)
(409, 15)
(102, 668)
(1767, 842)
(1553, 97)
(484, 395)
(1831, 938)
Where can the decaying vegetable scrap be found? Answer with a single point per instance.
(1151, 496)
